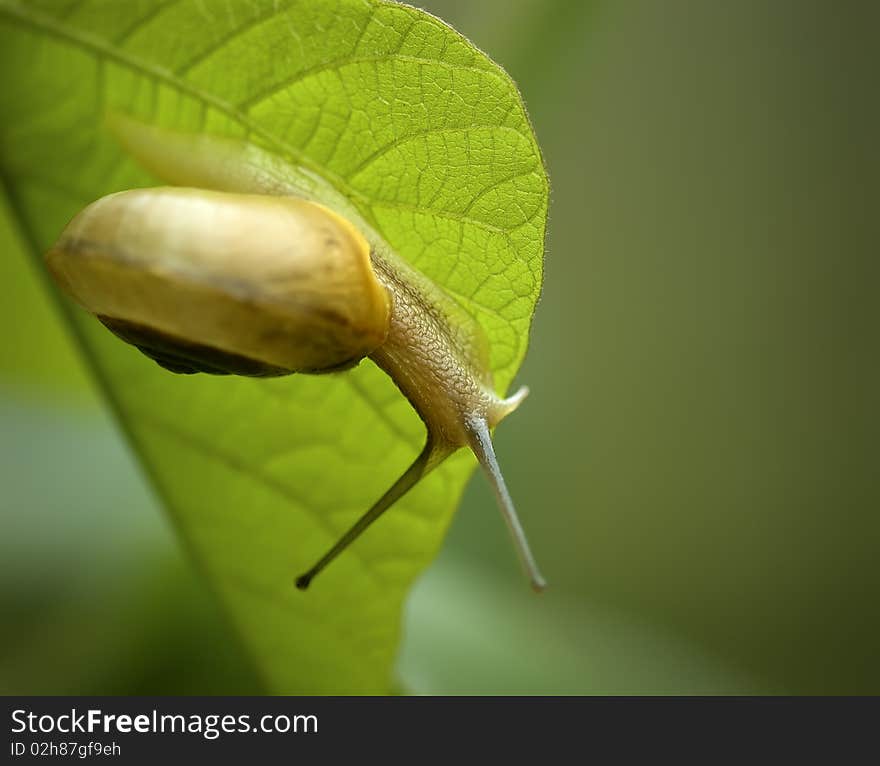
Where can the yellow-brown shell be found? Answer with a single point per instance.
(212, 281)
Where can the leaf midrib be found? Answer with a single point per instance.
(101, 49)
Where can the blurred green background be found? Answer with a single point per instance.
(697, 466)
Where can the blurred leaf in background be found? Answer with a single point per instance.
(704, 450)
(697, 461)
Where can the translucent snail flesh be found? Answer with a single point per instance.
(270, 283)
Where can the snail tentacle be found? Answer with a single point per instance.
(429, 458)
(481, 445)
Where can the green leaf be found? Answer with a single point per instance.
(428, 140)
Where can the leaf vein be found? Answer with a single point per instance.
(494, 185)
(338, 63)
(143, 20)
(399, 140)
(220, 44)
(209, 449)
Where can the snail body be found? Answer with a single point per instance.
(269, 272)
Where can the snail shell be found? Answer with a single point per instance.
(207, 281)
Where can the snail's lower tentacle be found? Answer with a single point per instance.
(431, 456)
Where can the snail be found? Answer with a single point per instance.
(250, 266)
